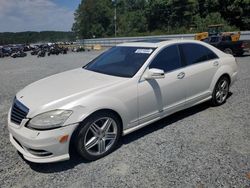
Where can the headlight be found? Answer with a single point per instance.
(49, 120)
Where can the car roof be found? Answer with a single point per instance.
(155, 43)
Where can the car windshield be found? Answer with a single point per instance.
(120, 61)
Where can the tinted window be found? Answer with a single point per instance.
(120, 61)
(214, 39)
(195, 53)
(168, 59)
(210, 54)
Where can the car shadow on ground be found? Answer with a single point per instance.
(166, 121)
(75, 159)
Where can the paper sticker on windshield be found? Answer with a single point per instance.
(143, 51)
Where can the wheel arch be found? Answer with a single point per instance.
(105, 110)
(223, 71)
(73, 135)
(226, 75)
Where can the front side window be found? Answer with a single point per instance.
(168, 59)
(196, 53)
(120, 61)
(214, 39)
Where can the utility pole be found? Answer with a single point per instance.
(115, 21)
(115, 17)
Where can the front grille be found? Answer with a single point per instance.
(18, 112)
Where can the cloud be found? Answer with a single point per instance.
(34, 15)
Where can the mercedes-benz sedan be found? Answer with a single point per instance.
(124, 89)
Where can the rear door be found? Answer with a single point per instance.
(201, 65)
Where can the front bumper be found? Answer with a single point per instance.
(41, 146)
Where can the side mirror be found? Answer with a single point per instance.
(154, 74)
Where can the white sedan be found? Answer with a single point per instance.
(124, 89)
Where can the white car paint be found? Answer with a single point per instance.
(138, 101)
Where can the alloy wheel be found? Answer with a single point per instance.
(100, 136)
(222, 91)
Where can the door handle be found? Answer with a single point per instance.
(181, 75)
(216, 63)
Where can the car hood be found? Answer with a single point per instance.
(56, 90)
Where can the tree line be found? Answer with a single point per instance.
(35, 37)
(95, 18)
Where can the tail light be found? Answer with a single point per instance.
(243, 45)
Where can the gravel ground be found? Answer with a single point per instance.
(199, 147)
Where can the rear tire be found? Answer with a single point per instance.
(228, 51)
(98, 135)
(221, 91)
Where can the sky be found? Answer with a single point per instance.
(37, 15)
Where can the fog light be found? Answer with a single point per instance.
(63, 139)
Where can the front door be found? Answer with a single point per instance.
(159, 97)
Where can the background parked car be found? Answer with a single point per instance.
(19, 54)
(41, 53)
(35, 51)
(1, 53)
(6, 51)
(78, 49)
(225, 44)
(56, 50)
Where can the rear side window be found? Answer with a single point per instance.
(196, 53)
(168, 59)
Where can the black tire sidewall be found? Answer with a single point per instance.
(229, 50)
(214, 101)
(83, 128)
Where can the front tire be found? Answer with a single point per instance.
(98, 135)
(221, 91)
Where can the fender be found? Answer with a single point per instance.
(224, 69)
(81, 112)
